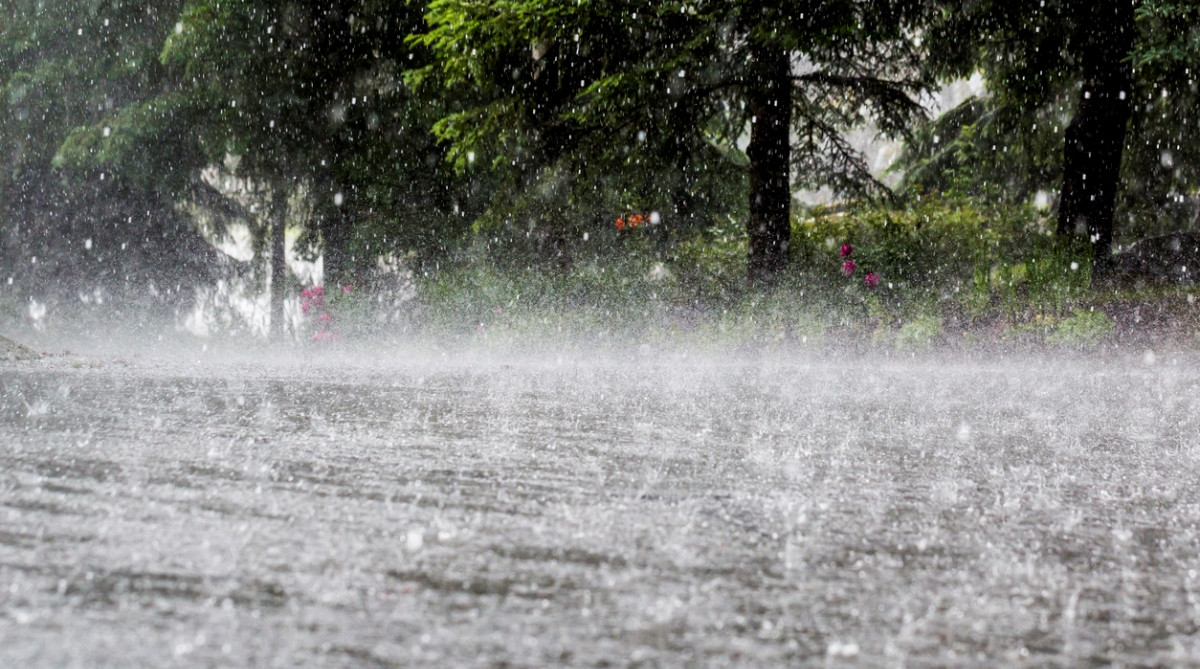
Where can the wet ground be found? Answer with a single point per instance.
(660, 511)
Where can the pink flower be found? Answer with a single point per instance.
(325, 336)
(347, 289)
(305, 294)
(305, 307)
(318, 291)
(848, 267)
(847, 250)
(325, 317)
(871, 280)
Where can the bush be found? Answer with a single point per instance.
(918, 270)
(1083, 328)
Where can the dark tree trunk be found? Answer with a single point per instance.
(278, 260)
(1095, 138)
(769, 226)
(335, 225)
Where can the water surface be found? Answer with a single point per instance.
(750, 511)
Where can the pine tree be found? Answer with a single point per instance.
(611, 84)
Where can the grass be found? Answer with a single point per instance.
(950, 274)
(955, 274)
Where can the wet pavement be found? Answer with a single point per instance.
(681, 511)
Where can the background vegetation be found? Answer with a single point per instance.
(475, 169)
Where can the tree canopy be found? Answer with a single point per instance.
(678, 88)
(1075, 90)
(414, 129)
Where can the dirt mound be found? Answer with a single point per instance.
(11, 350)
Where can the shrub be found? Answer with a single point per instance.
(1083, 328)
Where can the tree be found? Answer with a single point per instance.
(306, 107)
(1095, 138)
(317, 95)
(1089, 100)
(92, 234)
(565, 83)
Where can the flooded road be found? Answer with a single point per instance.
(651, 512)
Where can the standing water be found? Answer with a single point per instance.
(691, 511)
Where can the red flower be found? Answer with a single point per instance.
(871, 280)
(635, 220)
(620, 223)
(847, 250)
(848, 267)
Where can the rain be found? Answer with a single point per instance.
(547, 333)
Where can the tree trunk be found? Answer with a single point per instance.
(769, 226)
(1095, 139)
(335, 225)
(278, 260)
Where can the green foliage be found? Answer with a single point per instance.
(943, 267)
(1008, 144)
(921, 332)
(654, 99)
(1082, 328)
(713, 262)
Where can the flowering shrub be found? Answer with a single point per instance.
(871, 280)
(636, 220)
(630, 223)
(316, 309)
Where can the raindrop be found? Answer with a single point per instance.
(964, 432)
(338, 199)
(414, 540)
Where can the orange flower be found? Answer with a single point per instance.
(620, 223)
(635, 220)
